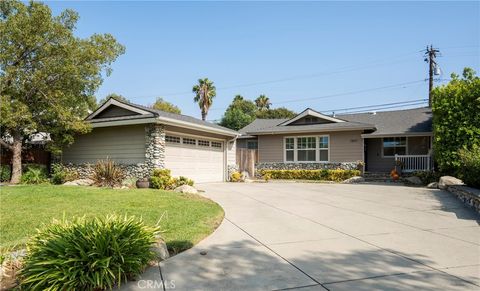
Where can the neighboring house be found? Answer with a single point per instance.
(312, 140)
(141, 139)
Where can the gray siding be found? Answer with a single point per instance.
(418, 145)
(345, 146)
(115, 111)
(123, 144)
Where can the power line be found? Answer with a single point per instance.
(341, 94)
(375, 105)
(388, 107)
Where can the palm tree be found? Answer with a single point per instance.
(204, 94)
(263, 102)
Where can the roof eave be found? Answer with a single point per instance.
(400, 134)
(309, 130)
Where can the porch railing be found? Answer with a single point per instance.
(413, 163)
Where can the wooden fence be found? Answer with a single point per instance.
(246, 159)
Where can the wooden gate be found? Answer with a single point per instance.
(246, 159)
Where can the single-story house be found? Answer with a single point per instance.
(312, 140)
(140, 138)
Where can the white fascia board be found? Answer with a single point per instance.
(311, 112)
(309, 130)
(199, 127)
(112, 101)
(123, 122)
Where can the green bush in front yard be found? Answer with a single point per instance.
(470, 169)
(5, 173)
(34, 174)
(319, 175)
(61, 174)
(87, 254)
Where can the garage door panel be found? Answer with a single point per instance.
(197, 163)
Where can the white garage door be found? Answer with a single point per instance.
(194, 157)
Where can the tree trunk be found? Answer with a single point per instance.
(204, 115)
(16, 159)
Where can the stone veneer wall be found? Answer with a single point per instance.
(154, 156)
(469, 196)
(308, 166)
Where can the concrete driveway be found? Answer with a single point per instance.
(279, 236)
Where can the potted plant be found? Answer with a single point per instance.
(142, 183)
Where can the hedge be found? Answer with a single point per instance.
(319, 175)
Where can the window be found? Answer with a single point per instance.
(252, 144)
(191, 141)
(323, 148)
(203, 143)
(289, 149)
(172, 139)
(307, 149)
(216, 144)
(394, 146)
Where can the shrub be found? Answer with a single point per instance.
(470, 169)
(235, 176)
(162, 179)
(107, 173)
(34, 174)
(61, 174)
(5, 173)
(94, 254)
(183, 181)
(320, 175)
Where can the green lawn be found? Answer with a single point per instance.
(185, 219)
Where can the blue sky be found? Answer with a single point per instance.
(297, 53)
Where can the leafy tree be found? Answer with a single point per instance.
(204, 91)
(166, 106)
(239, 113)
(280, 112)
(114, 96)
(456, 120)
(47, 75)
(263, 102)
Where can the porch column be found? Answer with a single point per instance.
(155, 146)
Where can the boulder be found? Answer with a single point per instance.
(446, 181)
(161, 251)
(414, 180)
(84, 182)
(70, 183)
(433, 185)
(186, 189)
(353, 180)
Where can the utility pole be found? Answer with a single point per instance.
(430, 55)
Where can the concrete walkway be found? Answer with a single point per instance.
(279, 236)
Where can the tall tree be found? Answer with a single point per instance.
(263, 102)
(204, 91)
(166, 106)
(47, 75)
(280, 112)
(456, 121)
(114, 96)
(239, 113)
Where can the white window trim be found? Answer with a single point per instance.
(295, 149)
(406, 145)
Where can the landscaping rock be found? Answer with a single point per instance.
(414, 180)
(70, 183)
(245, 176)
(433, 185)
(84, 182)
(161, 251)
(353, 180)
(186, 189)
(446, 181)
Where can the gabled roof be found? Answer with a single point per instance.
(276, 126)
(417, 121)
(408, 122)
(311, 112)
(142, 114)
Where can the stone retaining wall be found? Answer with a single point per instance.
(469, 196)
(131, 171)
(308, 166)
